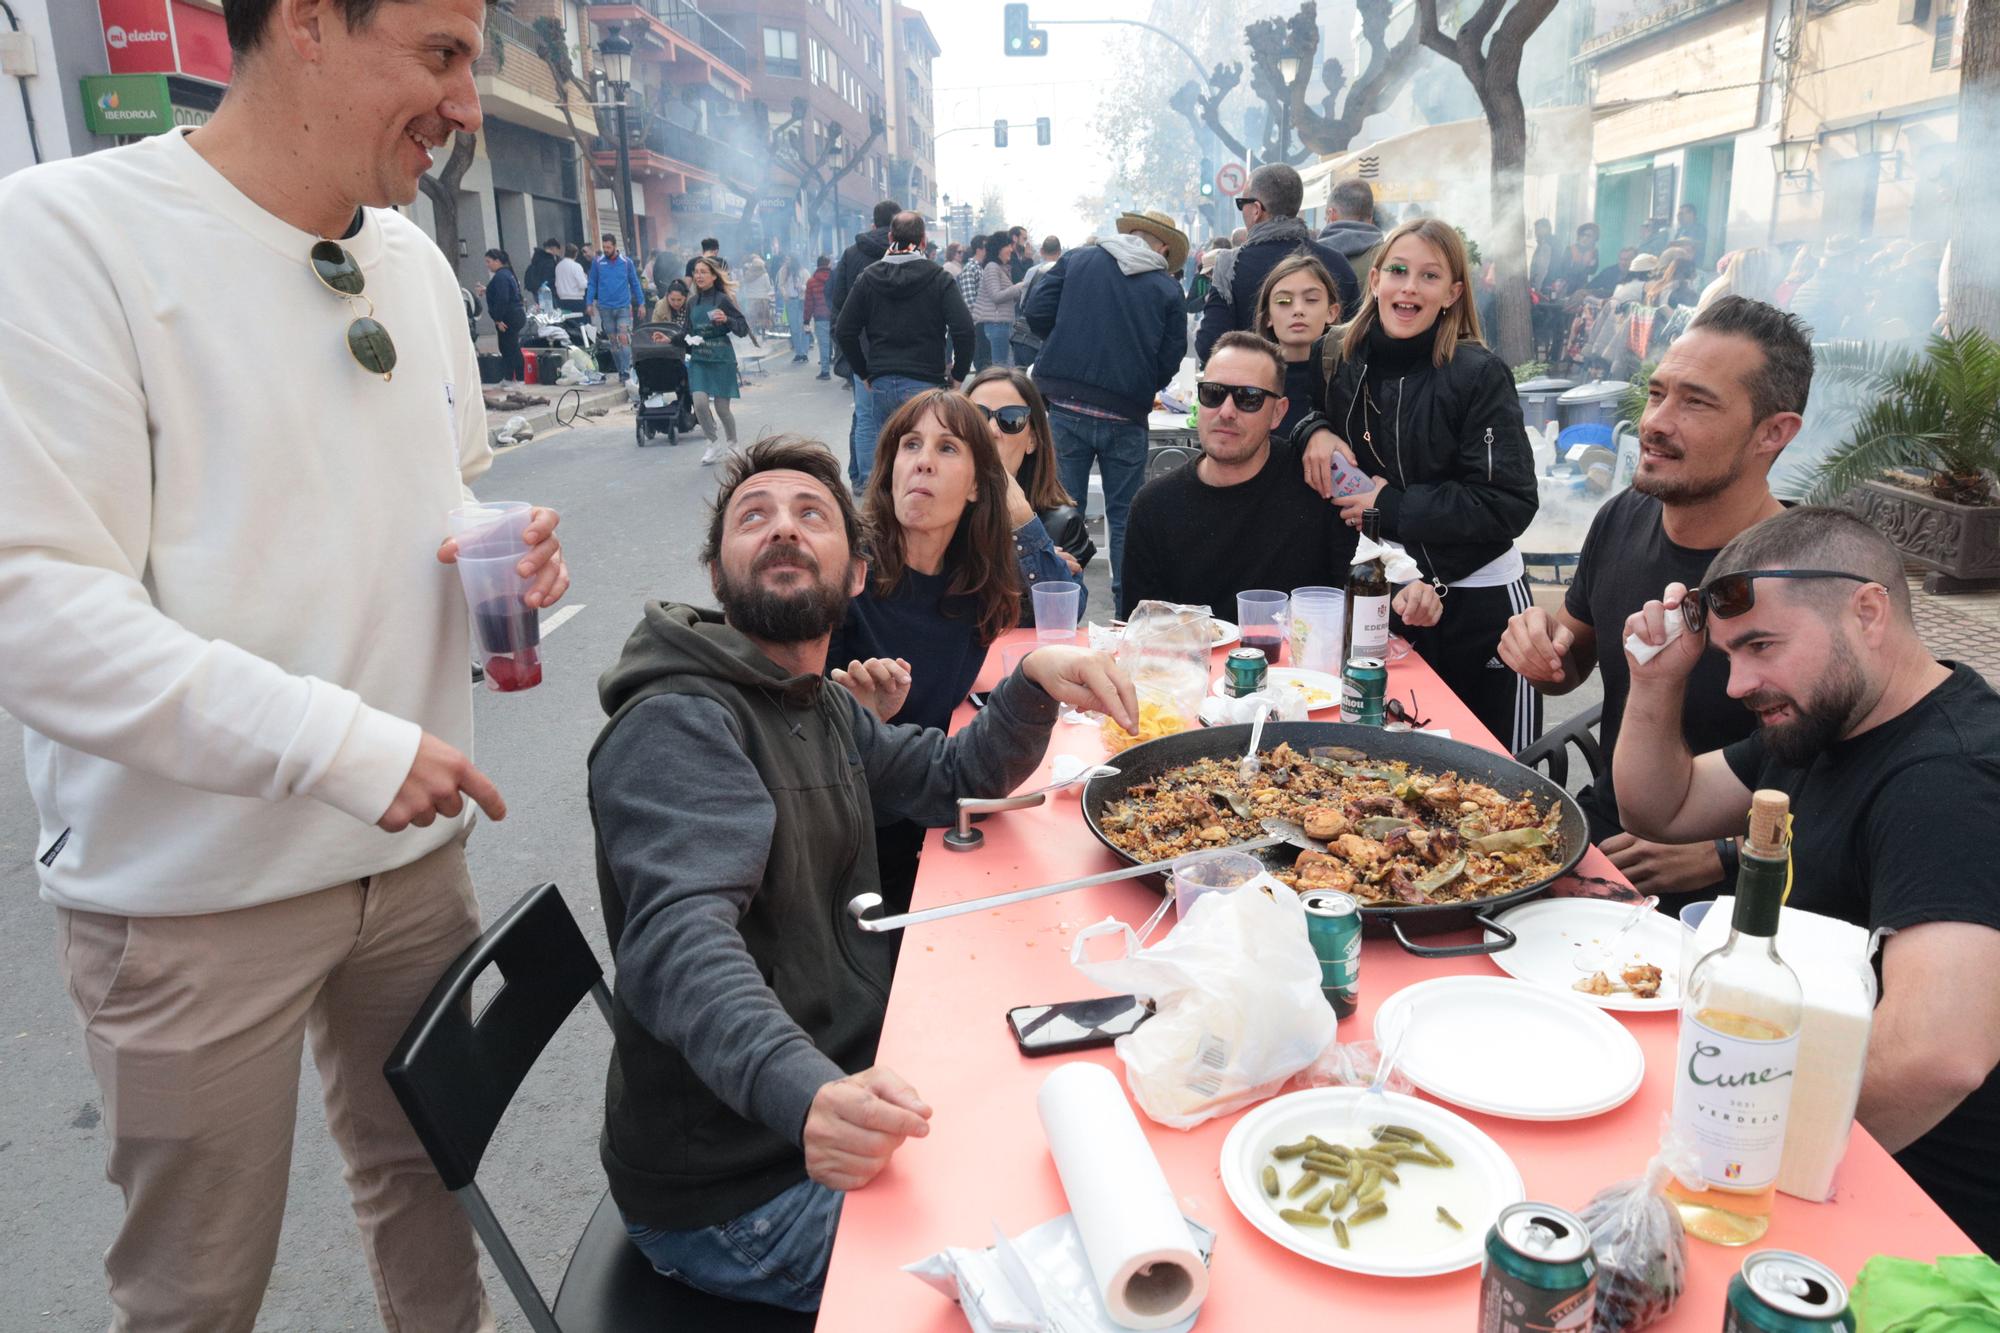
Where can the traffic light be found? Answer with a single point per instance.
(1020, 39)
(1207, 177)
(1000, 129)
(1042, 131)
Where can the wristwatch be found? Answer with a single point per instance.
(1725, 852)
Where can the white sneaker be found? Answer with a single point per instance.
(711, 454)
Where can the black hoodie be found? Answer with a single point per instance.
(896, 317)
(868, 247)
(734, 808)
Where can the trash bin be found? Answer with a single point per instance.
(1538, 399)
(1595, 403)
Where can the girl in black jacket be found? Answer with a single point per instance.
(1409, 392)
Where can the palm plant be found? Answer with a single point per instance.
(1935, 411)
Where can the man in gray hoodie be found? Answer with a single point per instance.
(734, 794)
(1351, 228)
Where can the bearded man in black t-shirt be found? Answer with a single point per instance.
(1892, 763)
(1725, 400)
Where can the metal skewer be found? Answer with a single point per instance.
(862, 904)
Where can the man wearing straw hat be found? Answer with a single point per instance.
(1114, 333)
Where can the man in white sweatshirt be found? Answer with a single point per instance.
(238, 646)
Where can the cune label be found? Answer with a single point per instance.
(1730, 1096)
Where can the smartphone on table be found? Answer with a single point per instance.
(1075, 1025)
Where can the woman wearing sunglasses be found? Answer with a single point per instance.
(1410, 393)
(943, 583)
(713, 316)
(1051, 539)
(1296, 306)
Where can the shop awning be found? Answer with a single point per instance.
(1422, 164)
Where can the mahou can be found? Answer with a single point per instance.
(1782, 1292)
(1539, 1274)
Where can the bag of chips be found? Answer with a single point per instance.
(1165, 649)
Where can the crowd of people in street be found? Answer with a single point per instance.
(254, 807)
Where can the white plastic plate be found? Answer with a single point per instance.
(1514, 1049)
(1410, 1241)
(1323, 688)
(1553, 932)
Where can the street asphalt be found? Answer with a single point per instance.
(633, 520)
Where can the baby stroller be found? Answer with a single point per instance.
(665, 403)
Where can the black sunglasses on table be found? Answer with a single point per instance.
(1249, 397)
(1013, 419)
(1734, 594)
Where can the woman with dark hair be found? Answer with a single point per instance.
(1051, 539)
(942, 580)
(509, 312)
(1296, 305)
(1410, 393)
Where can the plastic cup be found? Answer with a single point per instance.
(1056, 607)
(1317, 626)
(1692, 916)
(506, 631)
(1198, 873)
(491, 528)
(1263, 619)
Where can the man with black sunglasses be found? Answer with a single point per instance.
(1242, 516)
(238, 647)
(1892, 761)
(1722, 405)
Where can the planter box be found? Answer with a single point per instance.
(1960, 542)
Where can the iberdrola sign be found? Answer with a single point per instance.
(127, 104)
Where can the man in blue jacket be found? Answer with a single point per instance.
(1270, 209)
(1114, 333)
(614, 299)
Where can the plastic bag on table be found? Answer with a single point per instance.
(1350, 1065)
(1636, 1231)
(1238, 1009)
(1165, 650)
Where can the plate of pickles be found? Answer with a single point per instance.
(1396, 1188)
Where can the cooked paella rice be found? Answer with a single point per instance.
(1394, 833)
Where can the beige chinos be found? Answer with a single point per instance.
(195, 1025)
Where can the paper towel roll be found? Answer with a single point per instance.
(1140, 1251)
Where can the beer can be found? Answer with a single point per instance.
(1781, 1292)
(1362, 686)
(1246, 670)
(1333, 924)
(1539, 1274)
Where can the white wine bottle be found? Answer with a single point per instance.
(1739, 1046)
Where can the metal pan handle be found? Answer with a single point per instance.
(1506, 941)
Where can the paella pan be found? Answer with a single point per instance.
(1522, 831)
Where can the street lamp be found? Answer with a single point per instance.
(1288, 69)
(615, 55)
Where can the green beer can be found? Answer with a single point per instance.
(1247, 671)
(1362, 686)
(1782, 1292)
(1539, 1274)
(1333, 924)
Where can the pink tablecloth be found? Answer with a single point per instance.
(986, 1159)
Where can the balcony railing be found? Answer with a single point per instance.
(699, 28)
(682, 144)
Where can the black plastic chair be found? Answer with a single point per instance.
(1553, 748)
(455, 1072)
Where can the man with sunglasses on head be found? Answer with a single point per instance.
(1242, 516)
(1723, 403)
(237, 644)
(1892, 761)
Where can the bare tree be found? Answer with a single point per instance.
(1204, 107)
(1975, 264)
(823, 190)
(1487, 48)
(1326, 131)
(442, 190)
